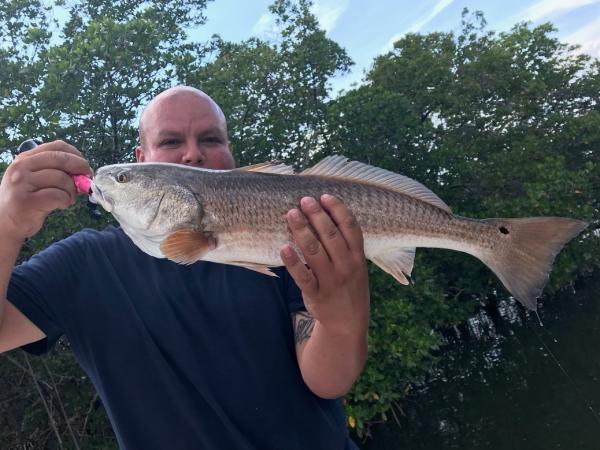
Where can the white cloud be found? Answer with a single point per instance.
(265, 25)
(419, 24)
(328, 13)
(437, 9)
(546, 8)
(390, 43)
(588, 37)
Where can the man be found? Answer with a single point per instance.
(186, 357)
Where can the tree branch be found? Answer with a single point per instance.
(43, 399)
(60, 404)
(91, 409)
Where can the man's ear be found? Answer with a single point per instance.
(139, 154)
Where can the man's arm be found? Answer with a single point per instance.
(329, 364)
(35, 183)
(15, 329)
(331, 337)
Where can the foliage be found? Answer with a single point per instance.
(274, 94)
(400, 349)
(497, 125)
(48, 402)
(111, 58)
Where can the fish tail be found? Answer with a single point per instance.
(523, 264)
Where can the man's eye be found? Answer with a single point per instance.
(212, 140)
(169, 142)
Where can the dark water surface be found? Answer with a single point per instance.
(507, 383)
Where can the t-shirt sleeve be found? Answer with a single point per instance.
(292, 292)
(42, 286)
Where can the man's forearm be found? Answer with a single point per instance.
(331, 363)
(9, 251)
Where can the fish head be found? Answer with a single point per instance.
(147, 199)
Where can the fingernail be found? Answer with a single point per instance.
(296, 215)
(308, 202)
(327, 197)
(287, 252)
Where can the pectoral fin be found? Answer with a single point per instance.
(397, 262)
(186, 246)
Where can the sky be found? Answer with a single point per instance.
(367, 28)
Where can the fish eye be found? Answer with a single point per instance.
(122, 177)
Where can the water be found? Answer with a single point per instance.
(508, 383)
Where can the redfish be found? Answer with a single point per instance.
(237, 217)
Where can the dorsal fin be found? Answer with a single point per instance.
(268, 167)
(337, 166)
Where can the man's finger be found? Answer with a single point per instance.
(329, 234)
(301, 274)
(65, 161)
(52, 178)
(345, 221)
(314, 253)
(56, 146)
(51, 198)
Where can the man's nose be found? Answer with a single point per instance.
(193, 154)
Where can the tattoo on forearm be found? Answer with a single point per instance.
(303, 326)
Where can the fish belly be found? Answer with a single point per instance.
(263, 248)
(248, 246)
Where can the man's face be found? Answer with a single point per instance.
(185, 128)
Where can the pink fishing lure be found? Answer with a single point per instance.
(82, 183)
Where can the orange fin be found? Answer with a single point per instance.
(260, 268)
(530, 246)
(186, 246)
(397, 262)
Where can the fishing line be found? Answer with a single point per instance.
(564, 371)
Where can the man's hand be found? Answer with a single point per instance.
(335, 290)
(35, 184)
(335, 286)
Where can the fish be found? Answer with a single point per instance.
(238, 217)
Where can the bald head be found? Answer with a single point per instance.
(158, 102)
(183, 125)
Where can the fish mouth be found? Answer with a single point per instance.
(98, 197)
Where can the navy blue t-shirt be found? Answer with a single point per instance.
(183, 357)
